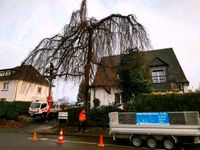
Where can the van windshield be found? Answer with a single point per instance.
(35, 105)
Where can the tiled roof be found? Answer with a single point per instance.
(106, 75)
(25, 73)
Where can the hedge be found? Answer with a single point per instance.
(166, 102)
(11, 110)
(95, 117)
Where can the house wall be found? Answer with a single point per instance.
(23, 91)
(104, 97)
(28, 91)
(109, 98)
(185, 88)
(10, 93)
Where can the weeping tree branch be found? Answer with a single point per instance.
(85, 41)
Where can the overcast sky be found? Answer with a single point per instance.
(169, 23)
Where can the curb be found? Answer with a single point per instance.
(72, 134)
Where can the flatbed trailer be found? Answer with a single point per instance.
(169, 128)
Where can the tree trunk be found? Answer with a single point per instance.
(87, 71)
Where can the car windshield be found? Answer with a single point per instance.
(35, 105)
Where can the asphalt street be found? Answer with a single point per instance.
(22, 139)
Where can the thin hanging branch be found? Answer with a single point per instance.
(85, 41)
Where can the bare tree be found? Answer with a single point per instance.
(85, 41)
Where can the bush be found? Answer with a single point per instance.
(99, 116)
(11, 110)
(167, 102)
(2, 110)
(12, 115)
(96, 102)
(73, 114)
(95, 117)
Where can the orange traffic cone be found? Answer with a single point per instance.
(101, 141)
(34, 136)
(60, 137)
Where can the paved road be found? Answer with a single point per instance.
(21, 139)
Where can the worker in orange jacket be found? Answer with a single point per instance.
(82, 121)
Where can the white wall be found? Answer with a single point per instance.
(185, 88)
(104, 97)
(10, 93)
(27, 91)
(23, 91)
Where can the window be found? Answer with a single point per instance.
(5, 86)
(158, 75)
(43, 105)
(5, 73)
(2, 73)
(39, 90)
(117, 98)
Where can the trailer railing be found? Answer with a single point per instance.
(159, 118)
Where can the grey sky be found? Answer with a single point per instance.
(170, 23)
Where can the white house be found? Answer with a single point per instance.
(22, 83)
(163, 66)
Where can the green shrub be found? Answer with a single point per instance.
(22, 107)
(12, 115)
(73, 115)
(96, 102)
(2, 110)
(99, 116)
(167, 102)
(11, 110)
(95, 117)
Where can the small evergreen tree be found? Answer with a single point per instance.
(133, 75)
(80, 96)
(96, 102)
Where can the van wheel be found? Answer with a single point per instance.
(168, 143)
(114, 138)
(151, 142)
(44, 115)
(136, 141)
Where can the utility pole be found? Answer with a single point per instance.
(50, 75)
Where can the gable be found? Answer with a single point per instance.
(106, 74)
(158, 62)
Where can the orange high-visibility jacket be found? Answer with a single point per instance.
(82, 116)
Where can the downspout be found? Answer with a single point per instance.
(16, 89)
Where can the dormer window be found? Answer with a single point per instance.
(158, 75)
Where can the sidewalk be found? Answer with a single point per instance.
(73, 131)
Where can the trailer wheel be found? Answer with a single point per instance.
(168, 143)
(151, 142)
(136, 141)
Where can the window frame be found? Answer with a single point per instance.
(158, 75)
(5, 86)
(39, 90)
(117, 98)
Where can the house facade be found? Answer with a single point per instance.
(23, 83)
(163, 67)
